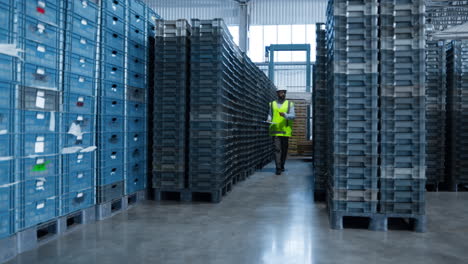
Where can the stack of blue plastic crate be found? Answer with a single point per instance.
(457, 117)
(8, 86)
(402, 109)
(319, 98)
(171, 97)
(40, 36)
(111, 101)
(436, 91)
(136, 97)
(352, 39)
(79, 110)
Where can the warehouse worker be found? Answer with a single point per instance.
(281, 116)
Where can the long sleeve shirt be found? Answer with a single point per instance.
(290, 116)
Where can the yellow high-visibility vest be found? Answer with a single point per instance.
(281, 127)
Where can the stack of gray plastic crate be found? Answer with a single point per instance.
(214, 92)
(402, 109)
(436, 92)
(442, 15)
(457, 117)
(136, 98)
(352, 42)
(320, 116)
(111, 101)
(171, 108)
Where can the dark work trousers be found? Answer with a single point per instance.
(281, 151)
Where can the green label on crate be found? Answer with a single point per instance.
(40, 167)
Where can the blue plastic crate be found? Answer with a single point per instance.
(78, 180)
(46, 166)
(136, 139)
(138, 7)
(136, 124)
(77, 200)
(136, 154)
(138, 50)
(138, 20)
(40, 77)
(136, 177)
(80, 104)
(6, 123)
(39, 99)
(77, 162)
(6, 15)
(86, 122)
(111, 140)
(111, 123)
(136, 64)
(42, 33)
(7, 170)
(136, 109)
(40, 188)
(82, 26)
(113, 56)
(41, 55)
(115, 7)
(137, 79)
(136, 94)
(80, 45)
(39, 212)
(40, 144)
(84, 141)
(114, 73)
(7, 67)
(6, 193)
(113, 40)
(85, 8)
(45, 10)
(80, 65)
(6, 223)
(112, 90)
(39, 122)
(113, 23)
(111, 157)
(137, 35)
(79, 84)
(110, 106)
(109, 175)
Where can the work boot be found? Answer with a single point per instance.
(278, 171)
(282, 169)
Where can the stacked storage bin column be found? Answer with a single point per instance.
(79, 113)
(40, 35)
(213, 97)
(8, 86)
(136, 99)
(353, 83)
(402, 108)
(436, 92)
(457, 117)
(320, 111)
(111, 104)
(171, 102)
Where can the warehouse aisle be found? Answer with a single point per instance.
(266, 219)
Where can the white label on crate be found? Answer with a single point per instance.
(40, 185)
(80, 175)
(84, 22)
(40, 71)
(80, 99)
(79, 195)
(39, 147)
(41, 48)
(40, 138)
(113, 157)
(79, 118)
(40, 205)
(82, 60)
(40, 161)
(40, 93)
(40, 116)
(41, 4)
(83, 41)
(52, 122)
(3, 132)
(40, 102)
(80, 157)
(79, 137)
(135, 138)
(81, 79)
(114, 7)
(40, 28)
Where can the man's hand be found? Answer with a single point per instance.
(283, 114)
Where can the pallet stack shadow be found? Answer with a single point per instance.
(320, 116)
(352, 42)
(171, 97)
(457, 117)
(214, 98)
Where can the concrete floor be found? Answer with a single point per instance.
(266, 219)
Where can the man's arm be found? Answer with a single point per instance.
(292, 113)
